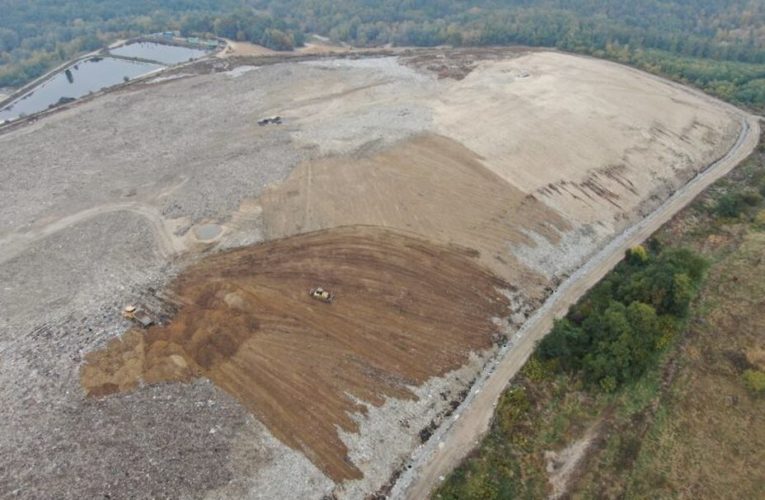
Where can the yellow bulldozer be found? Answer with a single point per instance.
(321, 294)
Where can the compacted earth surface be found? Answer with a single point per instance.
(246, 323)
(440, 195)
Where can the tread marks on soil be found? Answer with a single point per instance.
(403, 314)
(430, 185)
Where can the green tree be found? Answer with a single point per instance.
(637, 255)
(729, 205)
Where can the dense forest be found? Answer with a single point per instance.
(714, 44)
(612, 335)
(37, 35)
(731, 29)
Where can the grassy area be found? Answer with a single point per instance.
(691, 425)
(709, 438)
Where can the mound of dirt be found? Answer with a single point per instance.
(405, 310)
(430, 185)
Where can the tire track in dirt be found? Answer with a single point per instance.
(406, 310)
(428, 185)
(16, 244)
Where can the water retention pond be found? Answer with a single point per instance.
(96, 73)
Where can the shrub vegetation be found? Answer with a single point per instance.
(612, 335)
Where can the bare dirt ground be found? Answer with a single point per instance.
(236, 49)
(313, 47)
(532, 160)
(612, 151)
(562, 465)
(417, 187)
(247, 323)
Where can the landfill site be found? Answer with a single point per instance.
(275, 277)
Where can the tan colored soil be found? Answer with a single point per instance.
(429, 185)
(590, 137)
(405, 310)
(235, 49)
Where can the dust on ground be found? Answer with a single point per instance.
(427, 185)
(246, 322)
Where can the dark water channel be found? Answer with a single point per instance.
(166, 54)
(76, 81)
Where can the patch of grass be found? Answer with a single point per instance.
(754, 380)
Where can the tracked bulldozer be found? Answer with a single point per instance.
(322, 295)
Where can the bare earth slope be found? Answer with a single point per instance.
(304, 367)
(513, 176)
(426, 185)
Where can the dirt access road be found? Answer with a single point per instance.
(452, 443)
(16, 244)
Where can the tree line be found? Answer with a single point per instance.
(37, 35)
(717, 45)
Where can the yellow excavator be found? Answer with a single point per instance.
(138, 315)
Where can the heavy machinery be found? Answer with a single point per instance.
(138, 315)
(321, 294)
(271, 120)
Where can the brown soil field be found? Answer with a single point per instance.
(428, 185)
(303, 367)
(235, 49)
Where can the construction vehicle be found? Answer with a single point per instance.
(138, 315)
(271, 120)
(322, 295)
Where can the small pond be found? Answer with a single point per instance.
(166, 54)
(207, 232)
(76, 81)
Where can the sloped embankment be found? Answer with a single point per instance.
(406, 310)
